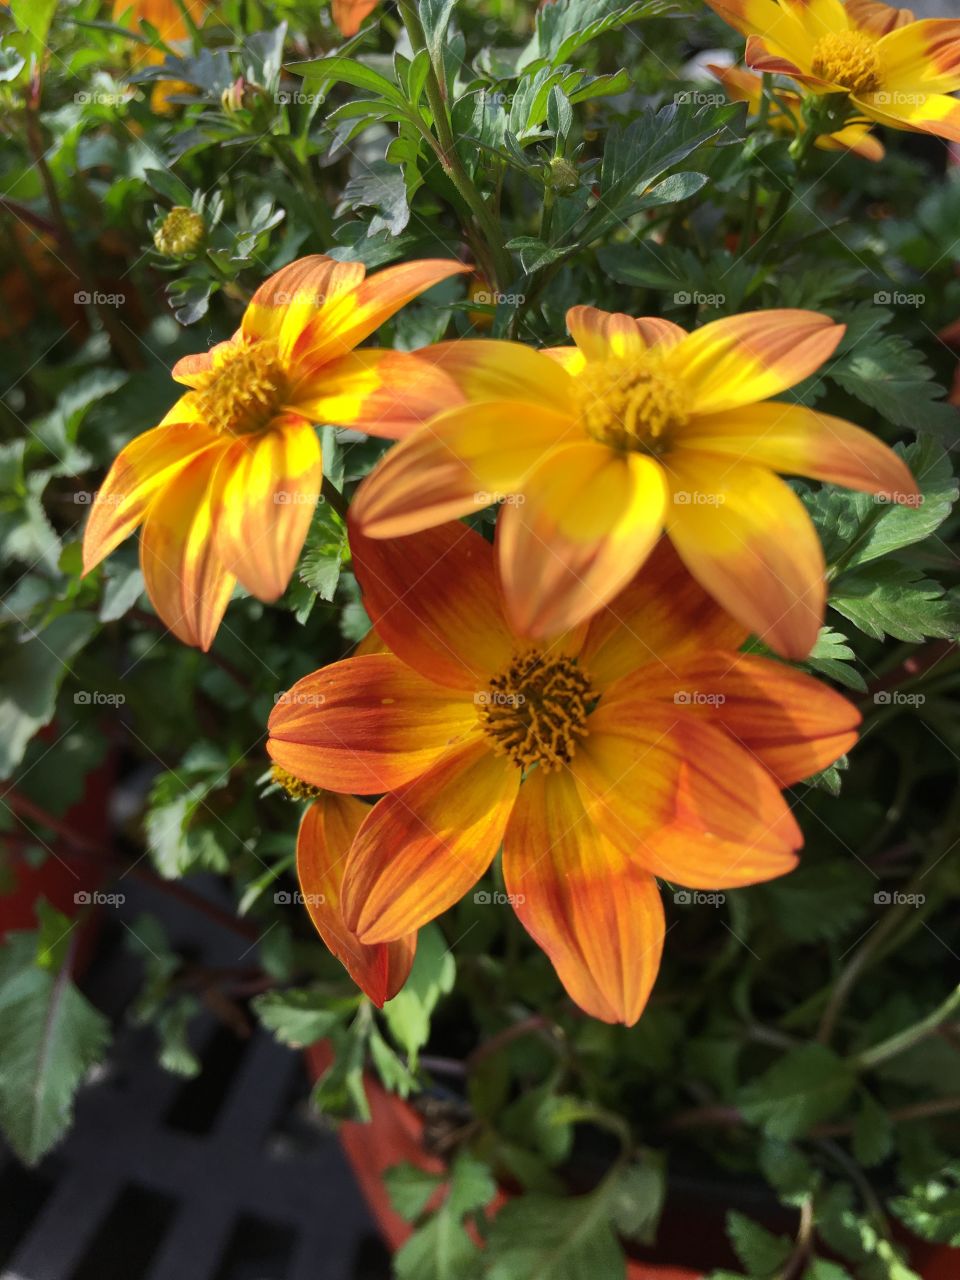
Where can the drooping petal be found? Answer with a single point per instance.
(294, 296)
(741, 359)
(663, 613)
(856, 138)
(935, 113)
(611, 335)
(588, 520)
(433, 598)
(594, 911)
(740, 85)
(385, 393)
(186, 580)
(462, 461)
(139, 472)
(265, 494)
(192, 370)
(876, 18)
(793, 724)
(422, 847)
(803, 442)
(921, 56)
(345, 320)
(326, 833)
(747, 539)
(366, 724)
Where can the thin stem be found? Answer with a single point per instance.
(906, 1039)
(334, 497)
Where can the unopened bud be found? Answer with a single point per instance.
(563, 176)
(181, 232)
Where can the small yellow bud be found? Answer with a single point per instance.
(563, 176)
(180, 233)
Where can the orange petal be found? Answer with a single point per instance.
(349, 15)
(265, 493)
(433, 598)
(422, 847)
(464, 460)
(741, 359)
(385, 393)
(139, 472)
(345, 320)
(609, 335)
(740, 85)
(921, 57)
(192, 370)
(662, 614)
(876, 18)
(365, 725)
(856, 138)
(935, 113)
(571, 359)
(792, 723)
(747, 539)
(588, 519)
(801, 442)
(187, 582)
(296, 295)
(763, 55)
(487, 369)
(752, 16)
(592, 909)
(323, 844)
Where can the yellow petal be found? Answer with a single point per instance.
(610, 335)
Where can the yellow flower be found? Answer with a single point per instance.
(895, 70)
(596, 448)
(226, 486)
(743, 86)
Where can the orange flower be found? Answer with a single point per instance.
(349, 15)
(743, 86)
(896, 71)
(227, 484)
(165, 15)
(640, 746)
(327, 831)
(639, 426)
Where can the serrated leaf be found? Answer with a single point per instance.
(297, 1017)
(832, 657)
(323, 552)
(890, 599)
(433, 973)
(442, 1249)
(409, 1189)
(761, 1252)
(805, 1086)
(556, 1238)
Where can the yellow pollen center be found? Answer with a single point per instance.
(245, 391)
(631, 404)
(295, 787)
(848, 58)
(536, 710)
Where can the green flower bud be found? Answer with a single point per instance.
(181, 232)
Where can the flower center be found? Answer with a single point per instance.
(631, 404)
(848, 58)
(535, 711)
(295, 787)
(246, 389)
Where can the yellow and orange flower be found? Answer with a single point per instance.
(640, 746)
(227, 484)
(638, 427)
(744, 86)
(895, 70)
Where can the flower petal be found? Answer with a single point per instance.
(422, 847)
(433, 598)
(856, 138)
(611, 335)
(462, 461)
(793, 724)
(488, 369)
(345, 320)
(661, 614)
(588, 520)
(323, 844)
(935, 113)
(802, 442)
(293, 297)
(349, 15)
(140, 470)
(366, 724)
(186, 580)
(921, 56)
(763, 55)
(265, 494)
(755, 17)
(876, 18)
(592, 909)
(741, 359)
(747, 539)
(385, 393)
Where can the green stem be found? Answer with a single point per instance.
(910, 1036)
(500, 262)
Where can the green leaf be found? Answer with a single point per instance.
(52, 1036)
(409, 1189)
(433, 973)
(435, 18)
(543, 1237)
(567, 25)
(931, 1209)
(31, 673)
(297, 1017)
(761, 1252)
(831, 656)
(639, 1198)
(381, 187)
(442, 1249)
(787, 1170)
(872, 1131)
(891, 599)
(183, 832)
(323, 552)
(348, 71)
(805, 1086)
(34, 17)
